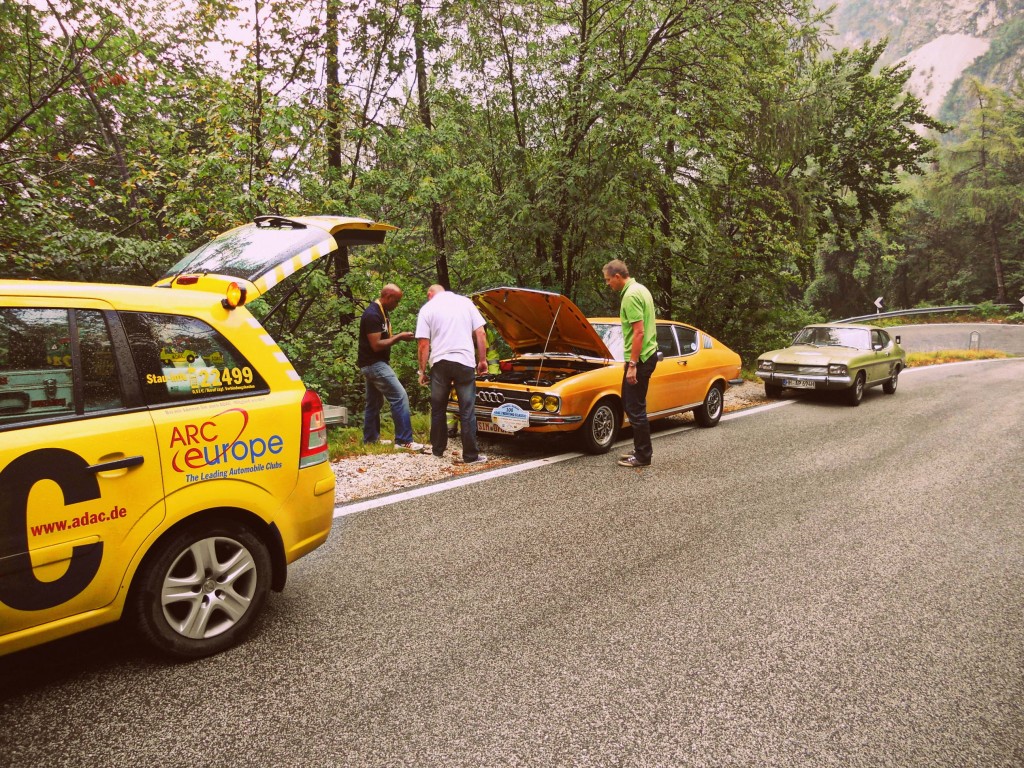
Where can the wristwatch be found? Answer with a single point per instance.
(631, 363)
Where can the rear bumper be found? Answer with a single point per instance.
(305, 519)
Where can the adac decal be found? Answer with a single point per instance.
(203, 450)
(19, 587)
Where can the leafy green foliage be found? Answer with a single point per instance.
(749, 179)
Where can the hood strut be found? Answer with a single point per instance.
(544, 354)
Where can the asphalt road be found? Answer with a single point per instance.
(805, 585)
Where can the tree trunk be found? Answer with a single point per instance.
(663, 298)
(333, 91)
(997, 263)
(437, 229)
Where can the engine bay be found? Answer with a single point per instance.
(532, 373)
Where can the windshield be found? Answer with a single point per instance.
(611, 335)
(817, 336)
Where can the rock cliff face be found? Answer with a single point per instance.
(947, 42)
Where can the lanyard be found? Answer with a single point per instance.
(387, 320)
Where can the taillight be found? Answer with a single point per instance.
(313, 440)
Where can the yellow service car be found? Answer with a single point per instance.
(173, 493)
(565, 373)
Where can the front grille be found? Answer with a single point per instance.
(492, 398)
(810, 370)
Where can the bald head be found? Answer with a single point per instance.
(433, 290)
(390, 295)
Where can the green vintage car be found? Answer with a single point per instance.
(834, 356)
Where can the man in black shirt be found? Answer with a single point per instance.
(374, 360)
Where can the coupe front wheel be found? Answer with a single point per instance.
(200, 591)
(709, 413)
(856, 393)
(601, 428)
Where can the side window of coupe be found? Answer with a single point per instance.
(879, 339)
(667, 341)
(687, 340)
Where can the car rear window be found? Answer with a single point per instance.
(182, 358)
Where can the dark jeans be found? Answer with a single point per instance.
(382, 384)
(634, 401)
(445, 374)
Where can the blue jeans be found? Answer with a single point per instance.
(445, 374)
(382, 384)
(634, 402)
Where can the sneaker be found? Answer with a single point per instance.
(627, 455)
(633, 461)
(480, 459)
(411, 446)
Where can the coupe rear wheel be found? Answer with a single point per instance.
(202, 589)
(709, 413)
(601, 427)
(889, 387)
(856, 393)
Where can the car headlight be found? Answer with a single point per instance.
(765, 365)
(836, 369)
(549, 403)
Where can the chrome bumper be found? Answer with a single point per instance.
(536, 419)
(823, 381)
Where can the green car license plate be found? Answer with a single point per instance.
(797, 384)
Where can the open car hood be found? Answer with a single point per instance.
(534, 321)
(258, 256)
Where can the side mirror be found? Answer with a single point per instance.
(897, 339)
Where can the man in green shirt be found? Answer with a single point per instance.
(640, 342)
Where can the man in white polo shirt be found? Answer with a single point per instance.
(450, 332)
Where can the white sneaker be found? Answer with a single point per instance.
(411, 446)
(480, 459)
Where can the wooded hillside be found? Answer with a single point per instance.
(752, 178)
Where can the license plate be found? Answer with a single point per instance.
(797, 384)
(494, 429)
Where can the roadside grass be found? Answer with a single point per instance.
(348, 441)
(953, 356)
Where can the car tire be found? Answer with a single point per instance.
(772, 391)
(601, 427)
(709, 413)
(856, 393)
(200, 591)
(889, 387)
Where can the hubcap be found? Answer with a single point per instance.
(604, 425)
(208, 588)
(714, 402)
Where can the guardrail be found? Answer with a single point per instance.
(920, 311)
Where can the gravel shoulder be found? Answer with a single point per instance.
(365, 476)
